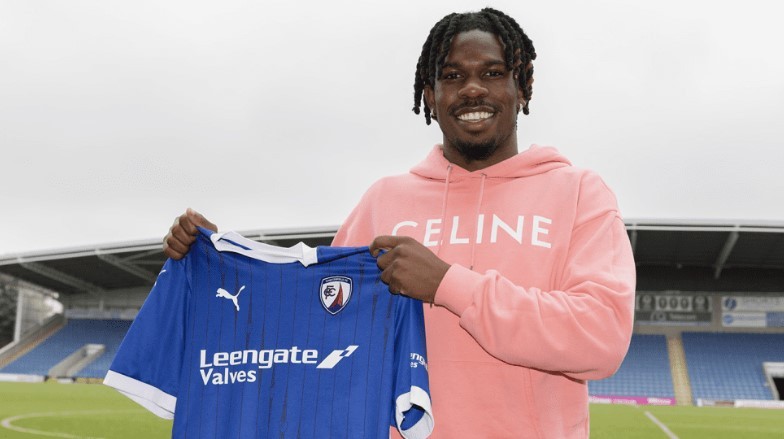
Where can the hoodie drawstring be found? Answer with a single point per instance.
(443, 205)
(476, 223)
(443, 210)
(479, 201)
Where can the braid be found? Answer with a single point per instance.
(506, 35)
(434, 48)
(518, 51)
(419, 79)
(527, 54)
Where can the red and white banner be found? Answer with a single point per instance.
(630, 400)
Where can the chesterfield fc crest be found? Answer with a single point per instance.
(335, 293)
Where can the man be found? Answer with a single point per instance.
(524, 259)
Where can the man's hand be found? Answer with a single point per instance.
(409, 268)
(183, 232)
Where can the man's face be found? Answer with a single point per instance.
(475, 98)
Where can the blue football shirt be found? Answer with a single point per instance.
(241, 339)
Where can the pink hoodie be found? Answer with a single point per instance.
(538, 299)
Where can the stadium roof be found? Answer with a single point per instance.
(122, 266)
(670, 255)
(708, 256)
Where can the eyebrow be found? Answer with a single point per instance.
(489, 63)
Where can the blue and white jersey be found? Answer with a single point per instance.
(241, 339)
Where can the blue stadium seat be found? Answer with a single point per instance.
(729, 365)
(74, 335)
(644, 372)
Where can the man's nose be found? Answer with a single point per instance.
(473, 89)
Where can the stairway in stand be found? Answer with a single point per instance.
(680, 374)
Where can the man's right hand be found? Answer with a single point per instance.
(183, 233)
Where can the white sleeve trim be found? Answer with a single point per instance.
(264, 252)
(153, 399)
(416, 396)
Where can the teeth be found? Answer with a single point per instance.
(479, 115)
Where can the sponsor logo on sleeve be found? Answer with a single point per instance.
(418, 360)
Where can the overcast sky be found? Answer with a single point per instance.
(117, 115)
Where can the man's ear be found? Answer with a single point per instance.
(529, 70)
(430, 97)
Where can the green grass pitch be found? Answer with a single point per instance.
(30, 411)
(74, 411)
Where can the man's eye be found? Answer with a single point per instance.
(495, 73)
(451, 75)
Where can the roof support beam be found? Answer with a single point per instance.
(154, 252)
(729, 244)
(61, 277)
(126, 266)
(10, 280)
(272, 237)
(157, 264)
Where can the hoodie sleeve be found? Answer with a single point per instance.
(583, 327)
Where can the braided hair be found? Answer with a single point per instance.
(518, 50)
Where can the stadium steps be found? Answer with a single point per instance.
(77, 361)
(680, 374)
(30, 341)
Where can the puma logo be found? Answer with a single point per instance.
(233, 297)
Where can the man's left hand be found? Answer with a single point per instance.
(408, 267)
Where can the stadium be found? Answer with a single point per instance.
(706, 359)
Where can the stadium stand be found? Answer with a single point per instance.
(728, 366)
(74, 335)
(678, 257)
(645, 371)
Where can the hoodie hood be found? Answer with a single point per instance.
(535, 160)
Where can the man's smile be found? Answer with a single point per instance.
(475, 113)
(475, 116)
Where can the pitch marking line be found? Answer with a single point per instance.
(661, 425)
(7, 423)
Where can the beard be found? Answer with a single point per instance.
(480, 150)
(476, 151)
